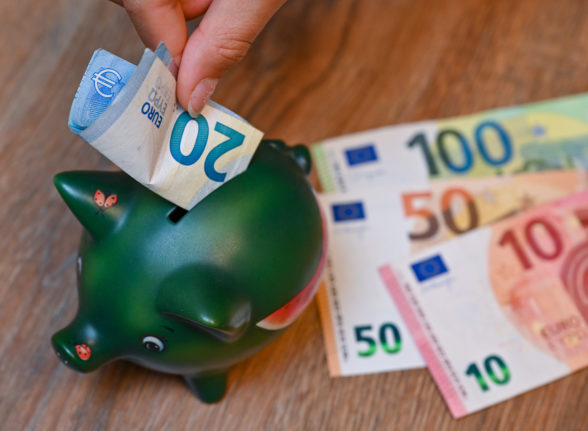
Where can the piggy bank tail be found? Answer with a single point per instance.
(298, 153)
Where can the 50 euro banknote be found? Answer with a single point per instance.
(130, 115)
(362, 327)
(541, 136)
(502, 309)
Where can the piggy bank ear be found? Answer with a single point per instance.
(205, 298)
(298, 153)
(97, 199)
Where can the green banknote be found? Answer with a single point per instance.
(542, 136)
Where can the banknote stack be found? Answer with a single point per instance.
(460, 245)
(129, 114)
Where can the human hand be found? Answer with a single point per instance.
(223, 37)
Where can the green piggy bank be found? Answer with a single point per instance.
(192, 293)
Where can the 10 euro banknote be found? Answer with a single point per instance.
(131, 116)
(502, 309)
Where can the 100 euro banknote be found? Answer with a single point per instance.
(362, 328)
(502, 309)
(541, 136)
(142, 129)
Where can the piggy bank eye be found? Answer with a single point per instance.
(153, 344)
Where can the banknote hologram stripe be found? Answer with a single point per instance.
(434, 363)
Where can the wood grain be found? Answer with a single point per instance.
(320, 68)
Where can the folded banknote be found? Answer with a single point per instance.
(130, 115)
(502, 309)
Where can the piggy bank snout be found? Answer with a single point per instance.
(77, 352)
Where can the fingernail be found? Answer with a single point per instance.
(200, 95)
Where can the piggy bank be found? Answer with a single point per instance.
(192, 292)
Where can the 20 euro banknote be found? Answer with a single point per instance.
(362, 328)
(147, 134)
(536, 137)
(503, 309)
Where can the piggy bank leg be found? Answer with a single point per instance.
(208, 389)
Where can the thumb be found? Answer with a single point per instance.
(222, 39)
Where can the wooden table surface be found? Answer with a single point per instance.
(319, 69)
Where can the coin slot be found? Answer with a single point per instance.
(177, 214)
